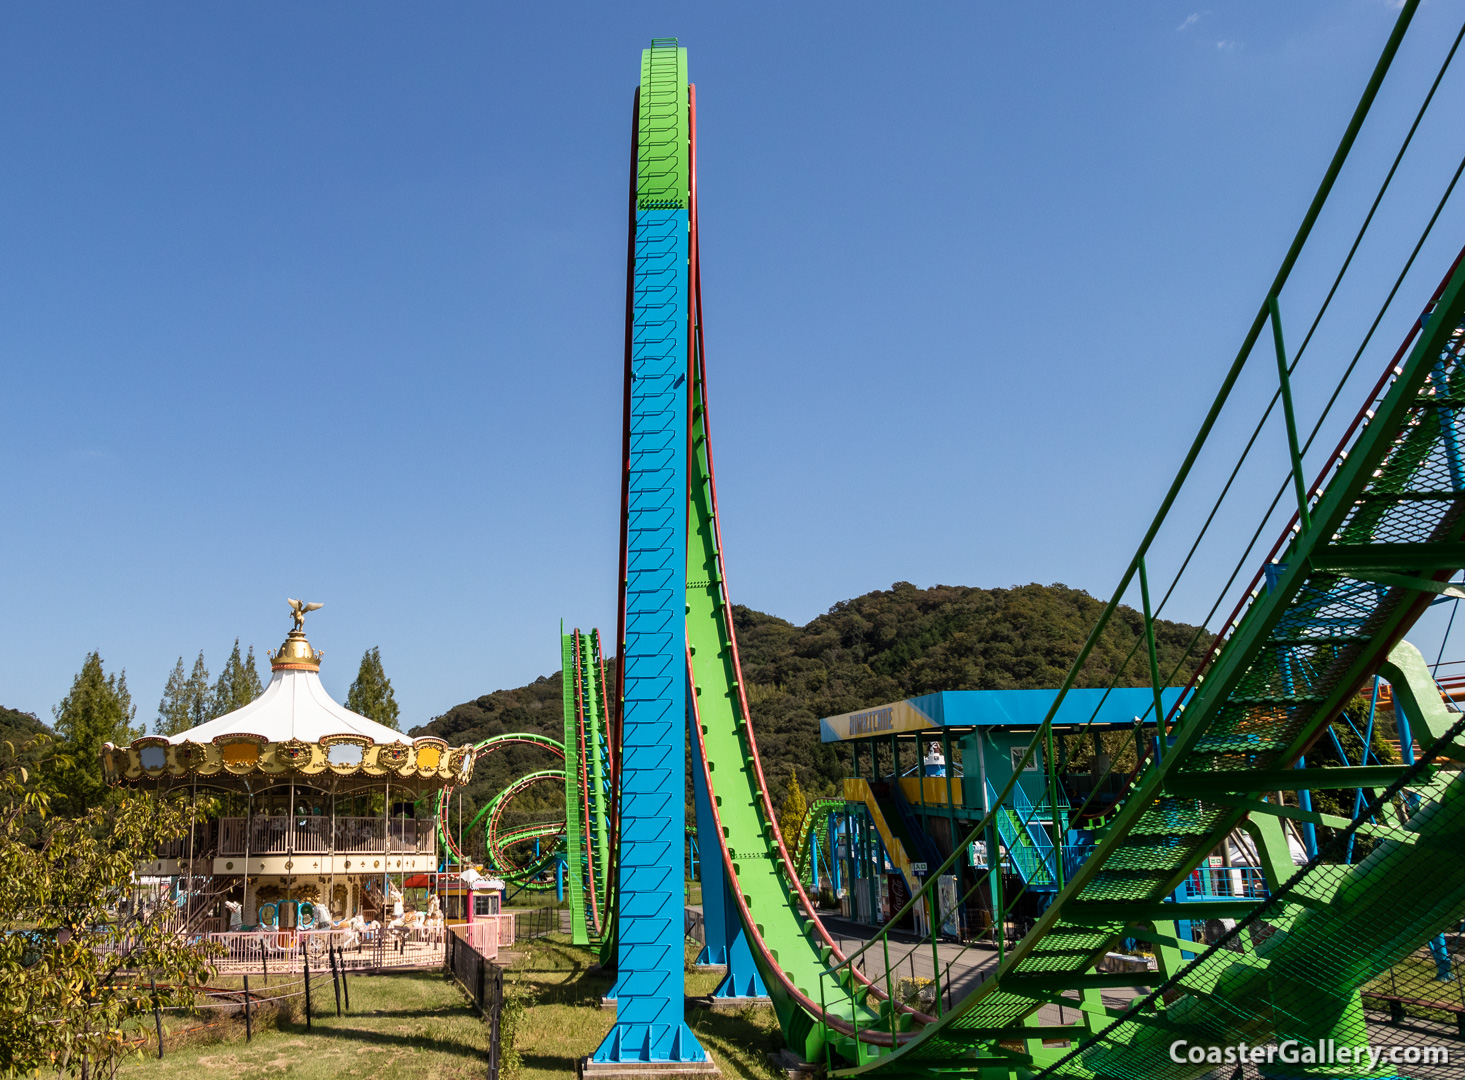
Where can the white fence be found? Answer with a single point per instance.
(287, 950)
(487, 933)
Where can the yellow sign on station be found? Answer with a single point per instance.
(893, 719)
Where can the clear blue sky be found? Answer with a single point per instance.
(326, 300)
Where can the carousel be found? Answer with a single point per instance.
(319, 817)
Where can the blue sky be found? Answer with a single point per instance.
(326, 301)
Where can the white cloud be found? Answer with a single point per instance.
(1191, 19)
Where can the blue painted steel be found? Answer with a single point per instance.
(726, 942)
(719, 917)
(649, 960)
(996, 708)
(1304, 800)
(743, 980)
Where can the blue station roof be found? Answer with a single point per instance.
(1017, 709)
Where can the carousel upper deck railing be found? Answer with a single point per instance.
(321, 835)
(200, 843)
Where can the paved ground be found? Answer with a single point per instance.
(963, 967)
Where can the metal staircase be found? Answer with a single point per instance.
(1025, 840)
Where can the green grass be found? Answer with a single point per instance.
(561, 987)
(419, 1024)
(1415, 977)
(405, 1025)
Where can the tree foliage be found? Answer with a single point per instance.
(187, 699)
(238, 683)
(791, 814)
(20, 726)
(64, 997)
(371, 694)
(97, 710)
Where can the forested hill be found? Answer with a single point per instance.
(877, 648)
(17, 726)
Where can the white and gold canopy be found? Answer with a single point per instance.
(294, 727)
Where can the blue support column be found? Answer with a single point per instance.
(726, 942)
(1304, 801)
(834, 860)
(649, 987)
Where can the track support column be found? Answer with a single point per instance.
(649, 1030)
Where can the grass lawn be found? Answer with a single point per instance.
(563, 1022)
(419, 1024)
(406, 1025)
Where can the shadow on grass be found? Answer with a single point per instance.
(444, 1011)
(416, 1042)
(749, 1030)
(547, 1062)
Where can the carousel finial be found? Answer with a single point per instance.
(296, 653)
(298, 610)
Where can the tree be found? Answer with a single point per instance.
(791, 816)
(238, 683)
(173, 708)
(200, 700)
(187, 701)
(371, 694)
(97, 710)
(63, 1004)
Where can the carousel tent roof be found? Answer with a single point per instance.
(295, 725)
(294, 706)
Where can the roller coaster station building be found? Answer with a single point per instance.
(923, 772)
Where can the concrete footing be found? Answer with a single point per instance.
(793, 1066)
(643, 1070)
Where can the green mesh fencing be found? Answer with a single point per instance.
(1343, 961)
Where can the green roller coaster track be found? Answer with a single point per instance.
(497, 841)
(587, 780)
(1374, 540)
(814, 836)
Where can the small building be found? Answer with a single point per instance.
(923, 772)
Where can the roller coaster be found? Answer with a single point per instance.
(570, 853)
(1375, 537)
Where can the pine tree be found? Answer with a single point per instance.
(238, 683)
(173, 714)
(250, 679)
(791, 817)
(98, 710)
(200, 698)
(187, 699)
(371, 694)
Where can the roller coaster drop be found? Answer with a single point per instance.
(1374, 540)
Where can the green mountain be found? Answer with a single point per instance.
(18, 726)
(880, 647)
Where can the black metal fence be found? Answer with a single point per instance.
(693, 925)
(537, 922)
(484, 982)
